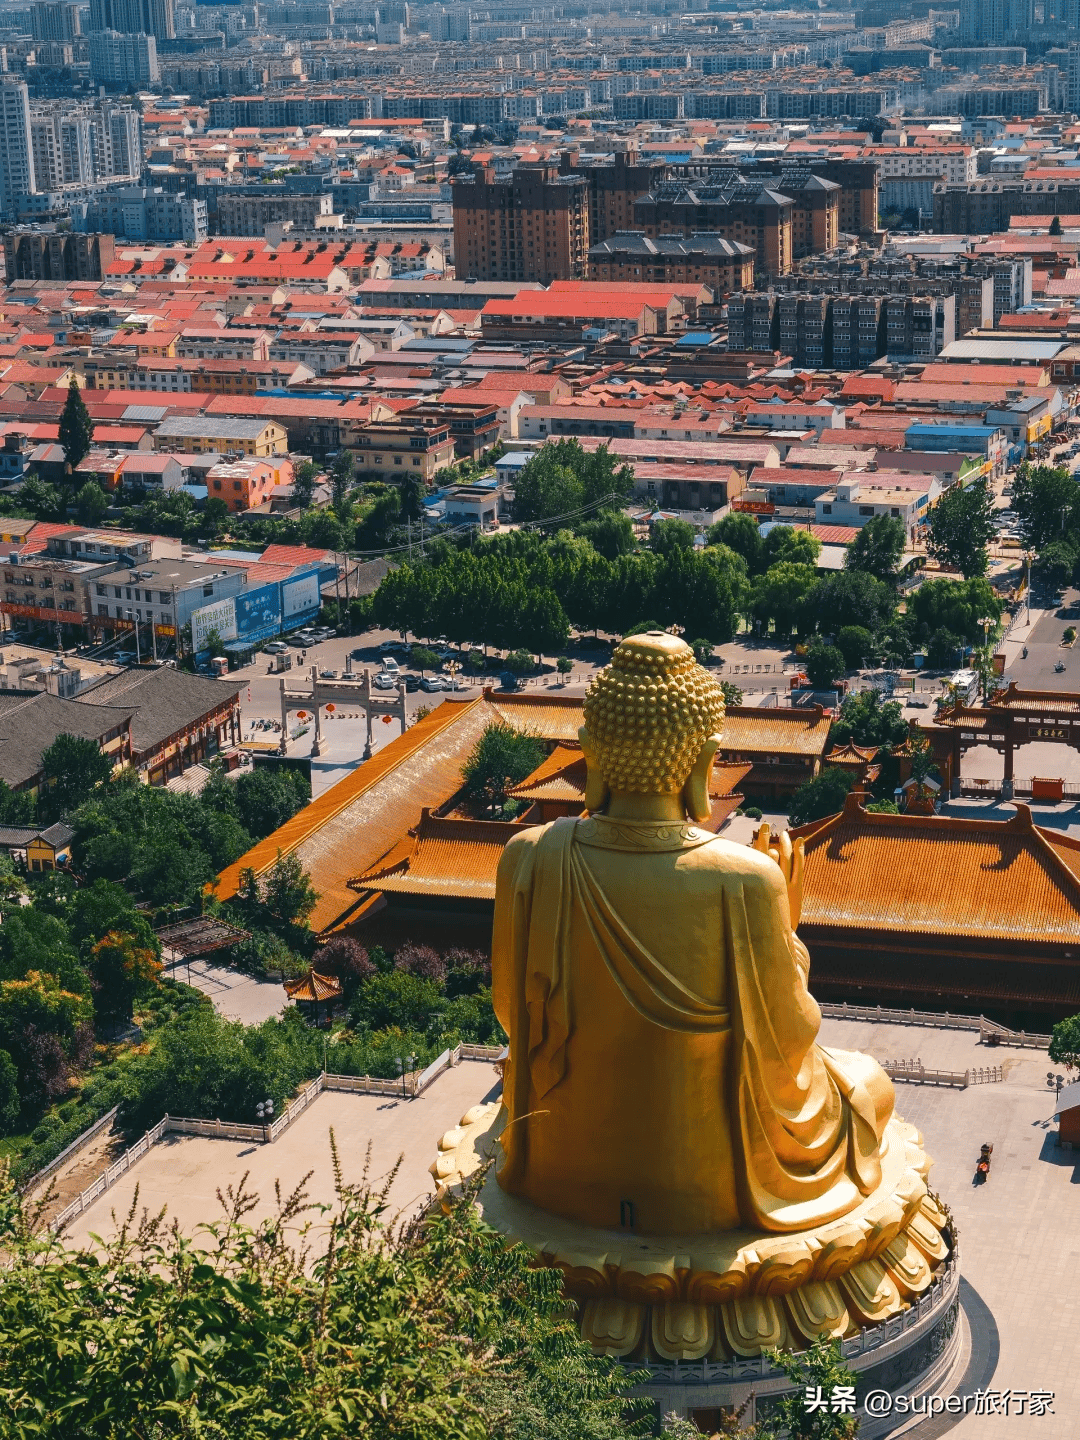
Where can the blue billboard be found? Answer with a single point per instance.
(300, 600)
(258, 612)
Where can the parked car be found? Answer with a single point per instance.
(323, 632)
(328, 674)
(126, 657)
(276, 647)
(385, 681)
(433, 682)
(301, 642)
(412, 683)
(390, 665)
(394, 647)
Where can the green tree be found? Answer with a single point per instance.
(214, 643)
(847, 597)
(378, 521)
(703, 650)
(824, 666)
(38, 1023)
(1055, 225)
(669, 535)
(866, 719)
(423, 659)
(91, 503)
(43, 501)
(1064, 1046)
(785, 542)
(823, 795)
(855, 643)
(341, 480)
(816, 1372)
(564, 665)
(611, 534)
(955, 605)
(544, 488)
(76, 427)
(944, 649)
(73, 768)
(305, 473)
(123, 971)
(413, 493)
(739, 532)
(544, 625)
(288, 894)
(501, 757)
(1046, 503)
(877, 548)
(1056, 562)
(961, 526)
(732, 694)
(779, 595)
(10, 1103)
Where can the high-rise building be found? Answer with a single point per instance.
(75, 144)
(996, 22)
(532, 226)
(134, 17)
(48, 255)
(122, 60)
(55, 20)
(16, 155)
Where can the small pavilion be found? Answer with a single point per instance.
(314, 995)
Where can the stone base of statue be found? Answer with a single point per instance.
(696, 1314)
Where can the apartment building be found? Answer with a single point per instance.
(474, 424)
(221, 433)
(250, 214)
(62, 256)
(244, 484)
(16, 156)
(702, 258)
(387, 449)
(533, 226)
(614, 183)
(732, 207)
(123, 62)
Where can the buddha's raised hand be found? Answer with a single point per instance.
(790, 858)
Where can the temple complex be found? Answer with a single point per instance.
(1009, 720)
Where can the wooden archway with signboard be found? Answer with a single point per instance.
(1013, 717)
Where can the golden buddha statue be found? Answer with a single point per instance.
(670, 1130)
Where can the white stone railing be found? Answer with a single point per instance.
(939, 1020)
(919, 1074)
(410, 1085)
(79, 1143)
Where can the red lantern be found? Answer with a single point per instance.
(301, 714)
(386, 719)
(330, 709)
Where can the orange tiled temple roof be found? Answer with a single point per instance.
(903, 873)
(450, 858)
(799, 730)
(314, 986)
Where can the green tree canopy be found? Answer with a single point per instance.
(867, 719)
(1047, 503)
(669, 535)
(956, 605)
(785, 542)
(824, 665)
(76, 427)
(779, 594)
(1056, 563)
(73, 768)
(739, 532)
(611, 534)
(856, 644)
(847, 597)
(304, 475)
(1065, 1042)
(500, 757)
(563, 477)
(823, 795)
(877, 548)
(91, 503)
(961, 527)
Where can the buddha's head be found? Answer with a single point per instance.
(652, 723)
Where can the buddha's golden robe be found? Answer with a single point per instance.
(662, 1038)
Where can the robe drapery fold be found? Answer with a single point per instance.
(804, 1124)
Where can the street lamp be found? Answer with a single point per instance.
(264, 1113)
(1054, 1082)
(404, 1065)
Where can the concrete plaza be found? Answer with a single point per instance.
(185, 1172)
(1019, 1232)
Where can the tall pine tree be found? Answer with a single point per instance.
(76, 427)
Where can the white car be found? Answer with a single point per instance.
(276, 647)
(433, 682)
(385, 681)
(390, 666)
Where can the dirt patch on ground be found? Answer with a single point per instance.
(79, 1172)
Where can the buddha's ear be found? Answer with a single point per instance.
(596, 787)
(695, 792)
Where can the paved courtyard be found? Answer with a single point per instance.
(185, 1172)
(235, 995)
(1019, 1232)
